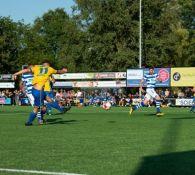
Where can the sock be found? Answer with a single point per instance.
(48, 106)
(56, 106)
(158, 103)
(39, 116)
(32, 116)
(42, 114)
(192, 108)
(139, 106)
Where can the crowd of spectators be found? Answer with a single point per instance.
(117, 97)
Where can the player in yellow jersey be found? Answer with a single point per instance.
(41, 73)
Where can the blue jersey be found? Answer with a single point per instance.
(27, 80)
(150, 80)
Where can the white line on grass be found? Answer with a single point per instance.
(35, 172)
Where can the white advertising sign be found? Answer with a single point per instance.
(135, 74)
(7, 84)
(184, 102)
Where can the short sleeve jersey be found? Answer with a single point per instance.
(42, 74)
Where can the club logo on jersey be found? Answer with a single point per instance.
(176, 76)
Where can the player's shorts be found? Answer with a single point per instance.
(150, 94)
(31, 99)
(39, 97)
(49, 94)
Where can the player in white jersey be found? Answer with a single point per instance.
(151, 94)
(27, 79)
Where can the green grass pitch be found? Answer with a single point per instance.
(96, 142)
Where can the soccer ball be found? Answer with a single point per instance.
(106, 105)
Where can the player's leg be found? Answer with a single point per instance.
(39, 114)
(158, 105)
(48, 105)
(193, 105)
(38, 100)
(31, 99)
(54, 104)
(139, 105)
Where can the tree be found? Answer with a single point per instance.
(11, 34)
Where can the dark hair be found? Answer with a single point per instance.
(24, 66)
(151, 68)
(46, 61)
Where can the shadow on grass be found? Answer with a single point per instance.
(53, 119)
(181, 163)
(111, 121)
(53, 122)
(182, 118)
(168, 161)
(150, 114)
(60, 113)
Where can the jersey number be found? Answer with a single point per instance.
(43, 71)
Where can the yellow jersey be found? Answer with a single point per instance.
(48, 85)
(42, 75)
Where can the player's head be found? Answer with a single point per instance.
(46, 62)
(151, 70)
(27, 66)
(24, 66)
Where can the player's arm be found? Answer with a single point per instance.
(62, 71)
(141, 85)
(21, 72)
(52, 79)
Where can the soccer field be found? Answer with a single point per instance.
(96, 142)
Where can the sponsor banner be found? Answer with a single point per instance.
(63, 84)
(8, 101)
(5, 101)
(164, 74)
(2, 101)
(69, 76)
(91, 84)
(82, 76)
(184, 102)
(7, 84)
(134, 77)
(110, 75)
(183, 76)
(5, 77)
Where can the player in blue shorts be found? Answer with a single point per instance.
(51, 102)
(27, 79)
(41, 73)
(151, 94)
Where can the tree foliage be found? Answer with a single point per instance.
(103, 36)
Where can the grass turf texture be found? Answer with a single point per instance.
(97, 142)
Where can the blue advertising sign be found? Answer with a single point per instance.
(134, 76)
(164, 74)
(8, 101)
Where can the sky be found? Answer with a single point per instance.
(29, 10)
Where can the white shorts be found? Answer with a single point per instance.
(31, 99)
(150, 94)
